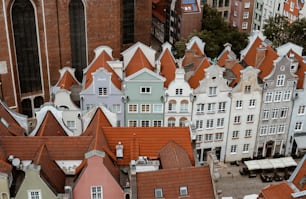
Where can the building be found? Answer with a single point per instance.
(222, 6)
(241, 15)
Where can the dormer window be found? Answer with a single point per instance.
(159, 193)
(145, 90)
(280, 80)
(179, 91)
(183, 191)
(119, 151)
(102, 91)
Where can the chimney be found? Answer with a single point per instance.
(119, 151)
(260, 55)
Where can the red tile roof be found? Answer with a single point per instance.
(168, 67)
(67, 80)
(99, 120)
(101, 62)
(137, 62)
(197, 180)
(301, 173)
(174, 156)
(197, 49)
(50, 126)
(199, 73)
(13, 128)
(5, 167)
(158, 10)
(278, 191)
(301, 70)
(236, 70)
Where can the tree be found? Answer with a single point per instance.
(215, 33)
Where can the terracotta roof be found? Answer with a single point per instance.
(197, 180)
(301, 173)
(50, 172)
(199, 73)
(197, 49)
(5, 167)
(222, 59)
(137, 62)
(168, 67)
(98, 120)
(301, 70)
(146, 141)
(50, 126)
(101, 62)
(174, 156)
(279, 191)
(236, 70)
(250, 57)
(158, 10)
(67, 80)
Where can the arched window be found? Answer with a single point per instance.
(183, 121)
(26, 106)
(25, 36)
(172, 106)
(171, 122)
(77, 37)
(184, 106)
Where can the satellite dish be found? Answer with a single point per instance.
(16, 162)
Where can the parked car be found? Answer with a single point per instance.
(266, 178)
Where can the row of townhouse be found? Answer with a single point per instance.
(239, 109)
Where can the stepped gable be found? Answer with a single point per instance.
(199, 73)
(50, 126)
(146, 141)
(138, 62)
(167, 66)
(301, 70)
(197, 180)
(50, 172)
(67, 79)
(174, 156)
(100, 61)
(8, 125)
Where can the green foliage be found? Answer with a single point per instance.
(215, 33)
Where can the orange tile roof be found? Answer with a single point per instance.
(5, 167)
(236, 70)
(158, 10)
(50, 126)
(197, 49)
(137, 62)
(66, 81)
(199, 73)
(99, 120)
(50, 172)
(301, 70)
(221, 60)
(299, 175)
(168, 67)
(174, 156)
(250, 57)
(197, 179)
(101, 62)
(13, 127)
(278, 191)
(146, 141)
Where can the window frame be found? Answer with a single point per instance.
(158, 193)
(132, 110)
(145, 90)
(38, 191)
(99, 193)
(102, 91)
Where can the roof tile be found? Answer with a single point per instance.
(138, 62)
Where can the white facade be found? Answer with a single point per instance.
(245, 109)
(211, 111)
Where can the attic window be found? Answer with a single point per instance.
(4, 122)
(183, 191)
(158, 193)
(213, 78)
(102, 91)
(302, 181)
(119, 151)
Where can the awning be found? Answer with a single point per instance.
(265, 164)
(300, 142)
(252, 165)
(277, 163)
(270, 163)
(288, 161)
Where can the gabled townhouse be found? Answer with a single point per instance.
(102, 84)
(246, 99)
(292, 9)
(296, 139)
(276, 108)
(211, 113)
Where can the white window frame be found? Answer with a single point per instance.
(281, 129)
(220, 123)
(208, 137)
(283, 112)
(266, 114)
(116, 108)
(268, 97)
(246, 15)
(184, 107)
(219, 136)
(145, 90)
(158, 193)
(199, 124)
(250, 118)
(275, 113)
(221, 107)
(157, 123)
(209, 123)
(234, 149)
(248, 133)
(244, 25)
(252, 103)
(239, 104)
(171, 123)
(247, 5)
(145, 123)
(34, 191)
(179, 91)
(102, 91)
(71, 124)
(98, 192)
(133, 122)
(158, 108)
(211, 107)
(200, 108)
(278, 96)
(133, 111)
(237, 119)
(172, 106)
(145, 108)
(263, 130)
(235, 134)
(245, 148)
(280, 81)
(212, 91)
(272, 130)
(298, 126)
(287, 96)
(183, 191)
(301, 110)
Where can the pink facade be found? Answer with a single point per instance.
(96, 174)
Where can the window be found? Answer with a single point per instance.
(71, 124)
(281, 129)
(237, 119)
(220, 122)
(132, 123)
(247, 88)
(268, 97)
(182, 121)
(157, 108)
(245, 15)
(199, 138)
(183, 191)
(219, 136)
(133, 108)
(238, 104)
(275, 113)
(272, 130)
(172, 106)
(200, 108)
(252, 103)
(214, 3)
(34, 194)
(298, 126)
(245, 148)
(301, 110)
(280, 81)
(179, 91)
(250, 118)
(145, 90)
(208, 137)
(247, 5)
(145, 123)
(96, 192)
(157, 123)
(235, 134)
(284, 112)
(212, 91)
(209, 123)
(234, 149)
(128, 12)
(226, 3)
(287, 96)
(220, 3)
(102, 91)
(145, 108)
(199, 124)
(265, 114)
(116, 108)
(184, 106)
(278, 96)
(248, 133)
(245, 26)
(159, 193)
(171, 122)
(211, 107)
(291, 5)
(263, 130)
(221, 107)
